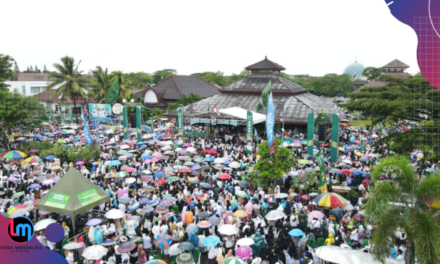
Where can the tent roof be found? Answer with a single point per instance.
(242, 114)
(72, 183)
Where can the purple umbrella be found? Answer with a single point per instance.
(94, 222)
(80, 163)
(244, 252)
(12, 179)
(182, 151)
(195, 167)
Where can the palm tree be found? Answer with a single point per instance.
(101, 82)
(402, 204)
(70, 80)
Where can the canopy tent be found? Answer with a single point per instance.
(72, 195)
(242, 114)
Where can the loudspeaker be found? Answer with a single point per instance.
(321, 132)
(132, 118)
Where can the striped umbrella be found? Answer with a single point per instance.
(233, 261)
(149, 189)
(330, 200)
(14, 154)
(199, 195)
(145, 210)
(110, 175)
(161, 210)
(163, 242)
(33, 159)
(126, 247)
(156, 261)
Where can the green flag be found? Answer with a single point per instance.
(382, 130)
(262, 104)
(113, 92)
(295, 132)
(321, 164)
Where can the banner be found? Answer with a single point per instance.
(209, 121)
(70, 115)
(138, 124)
(57, 200)
(256, 135)
(213, 121)
(125, 122)
(180, 121)
(86, 131)
(249, 127)
(270, 122)
(190, 133)
(88, 197)
(335, 138)
(310, 133)
(321, 164)
(99, 112)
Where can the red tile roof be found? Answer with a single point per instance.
(31, 77)
(49, 96)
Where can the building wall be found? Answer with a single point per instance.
(26, 87)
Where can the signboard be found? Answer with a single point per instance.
(209, 121)
(213, 121)
(249, 130)
(99, 112)
(57, 200)
(270, 122)
(88, 197)
(180, 121)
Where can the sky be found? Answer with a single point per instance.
(312, 37)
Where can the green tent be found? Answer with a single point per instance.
(72, 195)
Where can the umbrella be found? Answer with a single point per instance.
(204, 224)
(120, 192)
(12, 179)
(228, 230)
(14, 154)
(34, 186)
(330, 200)
(163, 242)
(108, 242)
(16, 195)
(94, 252)
(202, 215)
(206, 185)
(126, 247)
(192, 228)
(244, 252)
(233, 261)
(214, 220)
(338, 212)
(317, 214)
(185, 258)
(348, 207)
(110, 175)
(94, 222)
(224, 176)
(124, 199)
(358, 217)
(33, 159)
(244, 184)
(174, 250)
(302, 161)
(114, 214)
(149, 189)
(245, 241)
(281, 196)
(275, 215)
(241, 194)
(161, 209)
(172, 179)
(211, 241)
(240, 213)
(72, 245)
(43, 224)
(186, 246)
(296, 232)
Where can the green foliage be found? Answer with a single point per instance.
(310, 183)
(186, 100)
(72, 154)
(101, 82)
(331, 85)
(6, 72)
(162, 75)
(41, 146)
(138, 79)
(373, 73)
(236, 77)
(272, 166)
(214, 78)
(17, 110)
(401, 204)
(125, 90)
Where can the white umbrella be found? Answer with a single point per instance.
(275, 215)
(72, 245)
(41, 225)
(191, 149)
(228, 230)
(219, 161)
(174, 250)
(347, 161)
(146, 171)
(166, 148)
(348, 207)
(114, 214)
(235, 165)
(245, 241)
(18, 212)
(281, 196)
(125, 147)
(94, 252)
(344, 255)
(168, 143)
(130, 180)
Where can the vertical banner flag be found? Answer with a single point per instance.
(125, 122)
(86, 131)
(321, 164)
(249, 127)
(138, 124)
(113, 92)
(256, 135)
(310, 135)
(270, 122)
(180, 121)
(335, 138)
(216, 110)
(382, 130)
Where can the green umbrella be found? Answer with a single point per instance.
(16, 195)
(316, 169)
(172, 179)
(304, 142)
(122, 152)
(198, 159)
(241, 194)
(121, 174)
(233, 261)
(302, 161)
(61, 141)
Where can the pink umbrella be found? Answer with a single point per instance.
(130, 169)
(158, 155)
(80, 163)
(83, 139)
(244, 252)
(366, 156)
(317, 214)
(122, 158)
(131, 143)
(33, 150)
(187, 145)
(145, 178)
(154, 159)
(121, 192)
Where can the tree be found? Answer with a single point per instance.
(36, 69)
(401, 204)
(125, 91)
(138, 79)
(162, 75)
(45, 69)
(329, 85)
(236, 77)
(31, 69)
(186, 100)
(101, 82)
(16, 69)
(70, 80)
(214, 78)
(17, 110)
(373, 73)
(271, 167)
(6, 72)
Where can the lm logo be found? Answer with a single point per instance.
(20, 229)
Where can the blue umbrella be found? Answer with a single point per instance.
(214, 220)
(431, 170)
(159, 174)
(124, 199)
(348, 148)
(357, 173)
(94, 124)
(143, 146)
(296, 232)
(145, 210)
(50, 135)
(186, 246)
(34, 186)
(211, 241)
(206, 185)
(146, 128)
(244, 184)
(194, 182)
(163, 242)
(227, 162)
(146, 156)
(209, 159)
(192, 228)
(133, 206)
(38, 136)
(114, 163)
(366, 175)
(49, 157)
(153, 203)
(144, 200)
(232, 207)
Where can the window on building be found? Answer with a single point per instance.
(23, 89)
(37, 90)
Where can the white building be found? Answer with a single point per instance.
(29, 83)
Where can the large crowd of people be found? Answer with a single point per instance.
(189, 200)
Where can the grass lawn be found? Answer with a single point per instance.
(360, 123)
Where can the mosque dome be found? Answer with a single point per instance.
(355, 69)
